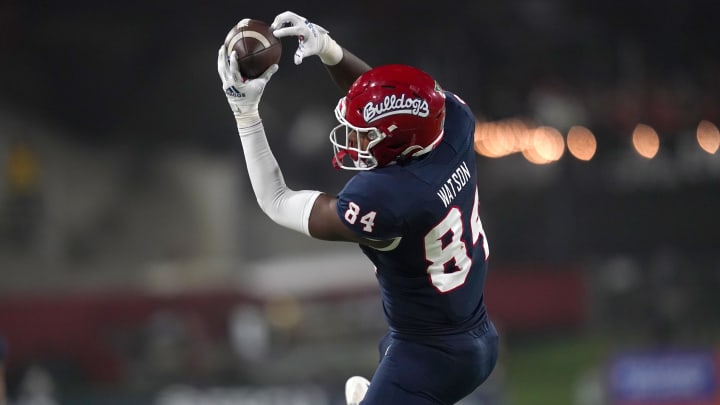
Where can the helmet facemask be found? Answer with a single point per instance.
(353, 145)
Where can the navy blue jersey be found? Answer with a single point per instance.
(432, 280)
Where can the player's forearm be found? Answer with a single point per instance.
(347, 70)
(284, 206)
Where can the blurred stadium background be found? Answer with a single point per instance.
(136, 268)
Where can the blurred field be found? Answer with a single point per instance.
(552, 370)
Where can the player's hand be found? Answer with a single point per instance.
(242, 94)
(312, 38)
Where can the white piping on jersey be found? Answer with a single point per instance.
(395, 242)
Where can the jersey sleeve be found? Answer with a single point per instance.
(368, 210)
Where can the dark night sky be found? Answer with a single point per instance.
(147, 69)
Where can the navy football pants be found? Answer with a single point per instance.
(437, 370)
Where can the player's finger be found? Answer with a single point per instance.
(267, 74)
(222, 60)
(298, 57)
(234, 69)
(283, 18)
(291, 31)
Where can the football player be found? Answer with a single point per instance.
(412, 207)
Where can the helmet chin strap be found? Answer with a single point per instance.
(338, 158)
(359, 164)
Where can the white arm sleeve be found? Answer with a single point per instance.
(284, 206)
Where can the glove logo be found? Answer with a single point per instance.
(234, 92)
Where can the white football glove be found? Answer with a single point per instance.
(312, 38)
(242, 94)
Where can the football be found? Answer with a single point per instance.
(256, 46)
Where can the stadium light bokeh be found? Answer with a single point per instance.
(708, 136)
(545, 144)
(645, 141)
(581, 143)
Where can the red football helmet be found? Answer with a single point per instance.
(391, 112)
